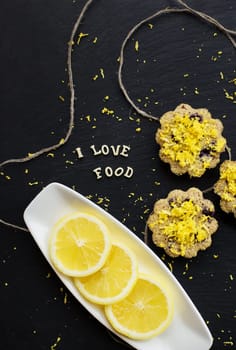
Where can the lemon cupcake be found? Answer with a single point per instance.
(225, 187)
(190, 140)
(183, 223)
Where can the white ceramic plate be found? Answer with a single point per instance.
(187, 330)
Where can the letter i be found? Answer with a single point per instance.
(79, 152)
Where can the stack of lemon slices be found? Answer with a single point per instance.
(107, 273)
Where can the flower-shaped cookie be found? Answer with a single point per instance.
(225, 187)
(183, 223)
(190, 140)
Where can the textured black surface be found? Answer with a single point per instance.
(179, 57)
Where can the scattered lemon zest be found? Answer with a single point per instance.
(33, 183)
(102, 73)
(65, 298)
(221, 75)
(52, 347)
(61, 98)
(107, 111)
(69, 162)
(170, 266)
(100, 200)
(52, 155)
(227, 342)
(81, 35)
(228, 96)
(233, 81)
(95, 77)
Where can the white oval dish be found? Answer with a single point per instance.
(187, 330)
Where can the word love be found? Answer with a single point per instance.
(112, 150)
(119, 150)
(105, 150)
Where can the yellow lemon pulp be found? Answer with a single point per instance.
(79, 244)
(145, 312)
(114, 280)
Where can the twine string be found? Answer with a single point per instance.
(72, 99)
(229, 34)
(72, 111)
(210, 19)
(17, 227)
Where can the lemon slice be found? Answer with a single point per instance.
(79, 244)
(144, 313)
(114, 280)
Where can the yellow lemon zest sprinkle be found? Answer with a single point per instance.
(107, 111)
(102, 73)
(61, 98)
(95, 77)
(52, 347)
(81, 35)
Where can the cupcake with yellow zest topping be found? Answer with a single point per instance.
(190, 140)
(183, 223)
(225, 187)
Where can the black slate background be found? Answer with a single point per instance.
(36, 311)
